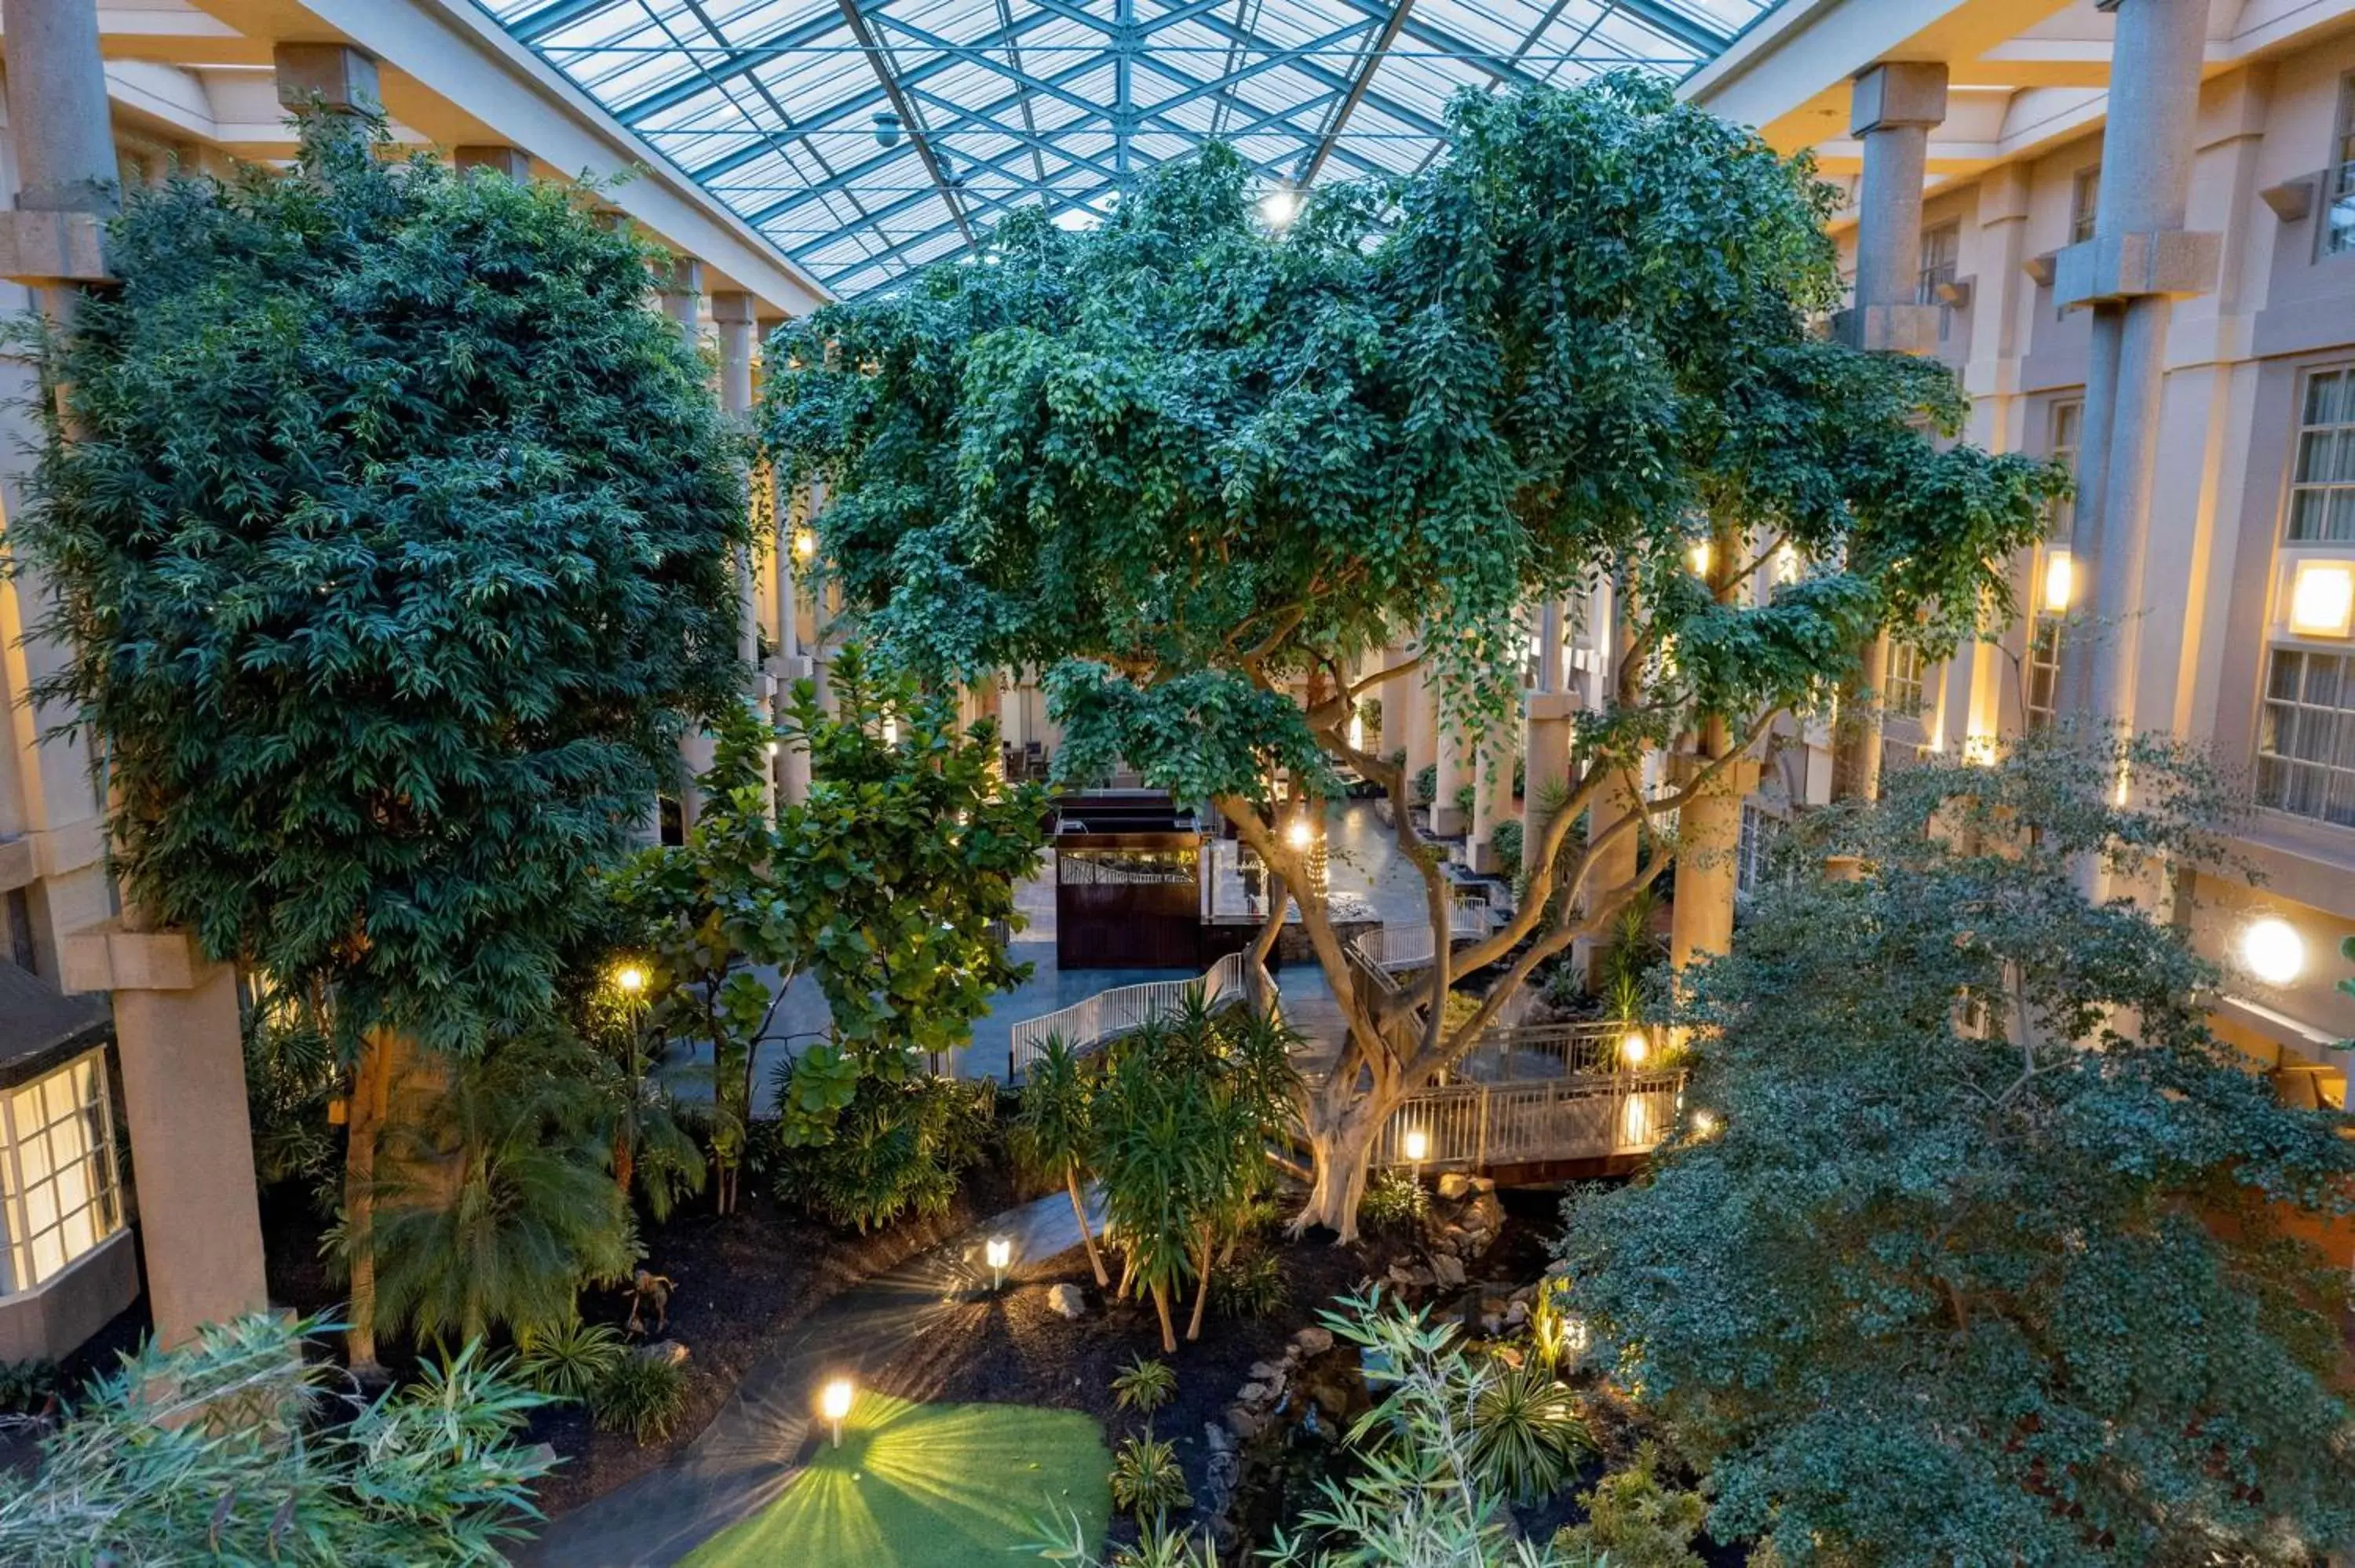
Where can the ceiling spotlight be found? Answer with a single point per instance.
(887, 128)
(1280, 207)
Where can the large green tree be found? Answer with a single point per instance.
(392, 545)
(1987, 1252)
(1203, 472)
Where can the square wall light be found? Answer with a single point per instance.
(2322, 598)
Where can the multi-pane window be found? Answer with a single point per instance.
(58, 1175)
(2043, 693)
(2339, 219)
(2306, 746)
(1942, 254)
(1902, 688)
(2068, 431)
(2084, 199)
(1754, 853)
(2322, 484)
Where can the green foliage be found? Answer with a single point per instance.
(896, 1149)
(1146, 1479)
(27, 1387)
(1251, 1286)
(571, 1361)
(497, 1205)
(1420, 1496)
(1468, 797)
(1504, 839)
(1989, 1258)
(886, 885)
(291, 1075)
(1557, 1335)
(1053, 1130)
(393, 540)
(1635, 1521)
(642, 1396)
(1395, 1204)
(1426, 784)
(237, 1448)
(1527, 1434)
(1144, 1386)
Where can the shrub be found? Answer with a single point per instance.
(1426, 784)
(641, 1395)
(1527, 1435)
(1467, 796)
(1251, 1286)
(1504, 839)
(1146, 1479)
(27, 1387)
(1144, 1386)
(572, 1360)
(1394, 1202)
(1635, 1521)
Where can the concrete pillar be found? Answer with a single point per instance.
(1709, 840)
(183, 1060)
(1398, 707)
(2140, 258)
(333, 77)
(1545, 748)
(1456, 758)
(512, 162)
(1891, 108)
(1492, 799)
(681, 286)
(1612, 867)
(1420, 695)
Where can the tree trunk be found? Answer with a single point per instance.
(1127, 1276)
(625, 1160)
(1201, 1288)
(371, 1093)
(1168, 1333)
(1343, 1142)
(1087, 1237)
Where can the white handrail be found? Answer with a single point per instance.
(1409, 946)
(1091, 1021)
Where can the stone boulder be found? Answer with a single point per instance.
(1066, 1300)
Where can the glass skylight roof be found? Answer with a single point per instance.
(865, 138)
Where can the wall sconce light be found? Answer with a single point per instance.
(2322, 599)
(2273, 950)
(2059, 581)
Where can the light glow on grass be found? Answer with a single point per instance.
(928, 1486)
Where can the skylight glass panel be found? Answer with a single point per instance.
(864, 150)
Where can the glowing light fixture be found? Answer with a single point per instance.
(805, 545)
(1704, 1124)
(1280, 207)
(1417, 1143)
(1699, 555)
(2059, 581)
(999, 1251)
(1786, 564)
(833, 1403)
(2322, 599)
(1633, 1048)
(629, 979)
(2273, 950)
(1300, 832)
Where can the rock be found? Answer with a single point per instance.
(1267, 1371)
(1314, 1341)
(1454, 1187)
(1407, 1277)
(1251, 1393)
(1216, 1438)
(1517, 1313)
(1492, 1324)
(1243, 1423)
(665, 1353)
(1066, 1300)
(1447, 1270)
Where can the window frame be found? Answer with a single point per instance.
(2085, 201)
(2338, 778)
(20, 1273)
(2336, 488)
(2333, 237)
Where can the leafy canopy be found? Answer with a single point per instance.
(1986, 1256)
(1182, 460)
(392, 543)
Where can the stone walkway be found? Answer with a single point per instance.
(754, 1448)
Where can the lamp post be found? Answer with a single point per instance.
(1633, 1048)
(630, 980)
(833, 1403)
(999, 1252)
(1417, 1148)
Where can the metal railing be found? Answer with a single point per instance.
(1519, 1053)
(1088, 1023)
(1409, 946)
(1478, 1126)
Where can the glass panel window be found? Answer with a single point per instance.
(2044, 675)
(58, 1173)
(1761, 831)
(2085, 198)
(1904, 682)
(2306, 743)
(1942, 251)
(2339, 219)
(2322, 478)
(2068, 430)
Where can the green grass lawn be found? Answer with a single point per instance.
(928, 1486)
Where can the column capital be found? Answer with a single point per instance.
(1552, 707)
(1897, 92)
(512, 162)
(1889, 329)
(733, 307)
(335, 77)
(108, 957)
(2175, 262)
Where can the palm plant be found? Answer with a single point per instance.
(1051, 1131)
(570, 1360)
(500, 1207)
(1153, 1146)
(1147, 1480)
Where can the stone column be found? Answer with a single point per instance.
(731, 312)
(512, 162)
(1398, 707)
(1709, 839)
(1421, 696)
(1545, 770)
(1891, 108)
(1492, 799)
(183, 1061)
(2140, 259)
(1456, 758)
